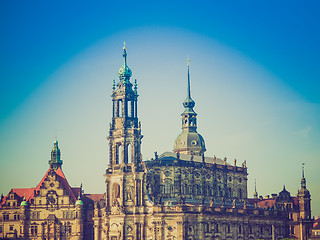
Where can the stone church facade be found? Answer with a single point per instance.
(175, 195)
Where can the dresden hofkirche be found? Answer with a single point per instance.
(181, 194)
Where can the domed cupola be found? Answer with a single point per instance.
(124, 72)
(189, 141)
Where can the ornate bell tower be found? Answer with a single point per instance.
(125, 173)
(125, 129)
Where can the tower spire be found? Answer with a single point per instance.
(124, 148)
(303, 180)
(189, 141)
(255, 194)
(55, 161)
(189, 93)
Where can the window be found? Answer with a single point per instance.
(217, 228)
(228, 228)
(6, 217)
(69, 229)
(0, 229)
(206, 227)
(11, 227)
(240, 193)
(16, 217)
(167, 186)
(34, 230)
(240, 229)
(292, 230)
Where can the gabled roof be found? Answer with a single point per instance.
(28, 193)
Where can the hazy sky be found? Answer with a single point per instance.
(254, 68)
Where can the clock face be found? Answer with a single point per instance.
(182, 143)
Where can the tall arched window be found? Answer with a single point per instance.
(130, 153)
(120, 108)
(240, 193)
(119, 154)
(167, 186)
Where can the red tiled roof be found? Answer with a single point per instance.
(266, 203)
(29, 192)
(316, 224)
(94, 197)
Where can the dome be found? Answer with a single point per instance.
(189, 142)
(79, 201)
(24, 202)
(303, 192)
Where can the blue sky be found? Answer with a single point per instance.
(254, 71)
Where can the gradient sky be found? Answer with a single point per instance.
(255, 74)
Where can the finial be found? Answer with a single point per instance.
(55, 135)
(135, 85)
(189, 93)
(124, 45)
(302, 170)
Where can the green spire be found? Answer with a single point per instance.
(55, 161)
(124, 72)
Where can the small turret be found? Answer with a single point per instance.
(255, 194)
(55, 161)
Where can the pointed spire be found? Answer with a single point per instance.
(189, 141)
(255, 194)
(189, 94)
(303, 180)
(189, 103)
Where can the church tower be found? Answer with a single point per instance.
(305, 220)
(125, 173)
(125, 132)
(189, 141)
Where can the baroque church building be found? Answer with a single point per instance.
(175, 195)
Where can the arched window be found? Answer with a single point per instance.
(240, 193)
(130, 153)
(119, 154)
(206, 227)
(120, 108)
(216, 229)
(167, 186)
(228, 228)
(240, 229)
